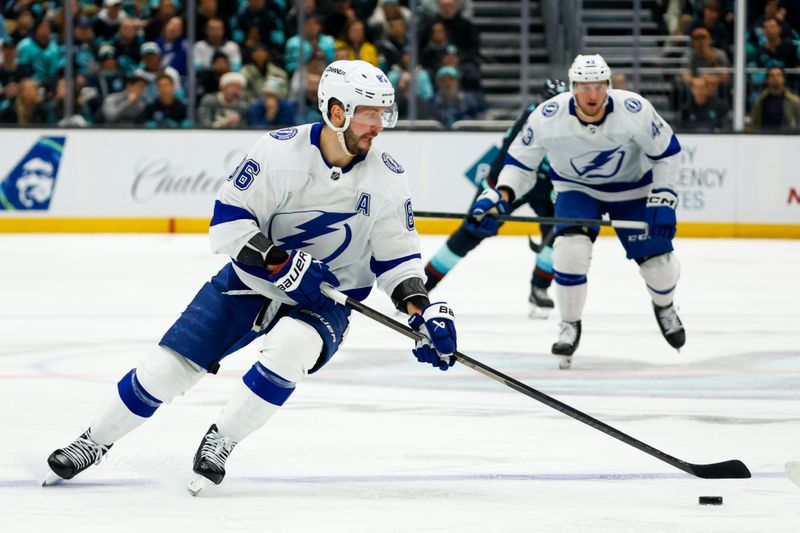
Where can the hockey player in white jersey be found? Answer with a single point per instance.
(610, 152)
(307, 205)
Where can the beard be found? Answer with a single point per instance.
(352, 143)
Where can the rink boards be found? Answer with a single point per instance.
(165, 181)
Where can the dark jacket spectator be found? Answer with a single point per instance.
(127, 44)
(460, 31)
(110, 79)
(266, 15)
(208, 79)
(339, 17)
(704, 111)
(391, 46)
(435, 46)
(109, 19)
(775, 51)
(272, 109)
(155, 26)
(711, 19)
(166, 111)
(26, 108)
(11, 72)
(776, 108)
(126, 106)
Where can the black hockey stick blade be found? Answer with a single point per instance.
(734, 469)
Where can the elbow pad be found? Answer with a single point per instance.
(259, 251)
(410, 290)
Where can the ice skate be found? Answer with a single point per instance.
(670, 325)
(541, 303)
(68, 462)
(209, 461)
(569, 336)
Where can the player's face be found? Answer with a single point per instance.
(590, 97)
(364, 126)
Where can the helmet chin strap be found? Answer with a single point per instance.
(339, 132)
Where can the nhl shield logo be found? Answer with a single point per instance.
(30, 184)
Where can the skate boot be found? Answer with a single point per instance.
(569, 336)
(670, 324)
(209, 461)
(68, 462)
(541, 304)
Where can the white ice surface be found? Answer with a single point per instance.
(376, 442)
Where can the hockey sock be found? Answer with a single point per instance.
(543, 271)
(572, 255)
(123, 411)
(661, 274)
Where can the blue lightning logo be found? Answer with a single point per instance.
(322, 224)
(601, 164)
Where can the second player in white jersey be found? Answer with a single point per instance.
(610, 152)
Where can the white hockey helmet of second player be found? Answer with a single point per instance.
(589, 68)
(356, 83)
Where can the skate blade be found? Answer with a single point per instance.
(198, 484)
(793, 471)
(564, 362)
(538, 313)
(52, 479)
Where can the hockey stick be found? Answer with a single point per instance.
(624, 224)
(723, 470)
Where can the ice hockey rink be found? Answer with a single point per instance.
(376, 442)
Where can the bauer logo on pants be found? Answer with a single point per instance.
(30, 184)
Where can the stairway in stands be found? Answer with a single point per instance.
(498, 22)
(608, 26)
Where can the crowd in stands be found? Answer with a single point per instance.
(703, 94)
(131, 60)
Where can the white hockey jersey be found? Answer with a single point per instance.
(358, 219)
(622, 157)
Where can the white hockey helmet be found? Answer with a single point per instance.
(588, 68)
(356, 83)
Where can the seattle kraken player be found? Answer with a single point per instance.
(471, 232)
(609, 152)
(308, 205)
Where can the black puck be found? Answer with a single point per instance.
(710, 500)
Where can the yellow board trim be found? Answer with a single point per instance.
(425, 227)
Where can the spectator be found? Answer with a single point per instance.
(356, 44)
(108, 20)
(152, 65)
(451, 104)
(260, 70)
(776, 109)
(470, 73)
(110, 79)
(173, 46)
(226, 108)
(272, 109)
(385, 11)
(3, 29)
(337, 20)
(127, 45)
(701, 55)
(166, 111)
(400, 77)
(309, 10)
(208, 79)
(24, 26)
(619, 81)
(711, 19)
(268, 17)
(704, 111)
(207, 10)
(311, 113)
(11, 72)
(56, 105)
(215, 42)
(85, 53)
(775, 51)
(154, 28)
(460, 31)
(25, 108)
(41, 52)
(312, 39)
(390, 47)
(431, 57)
(772, 9)
(126, 106)
(315, 67)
